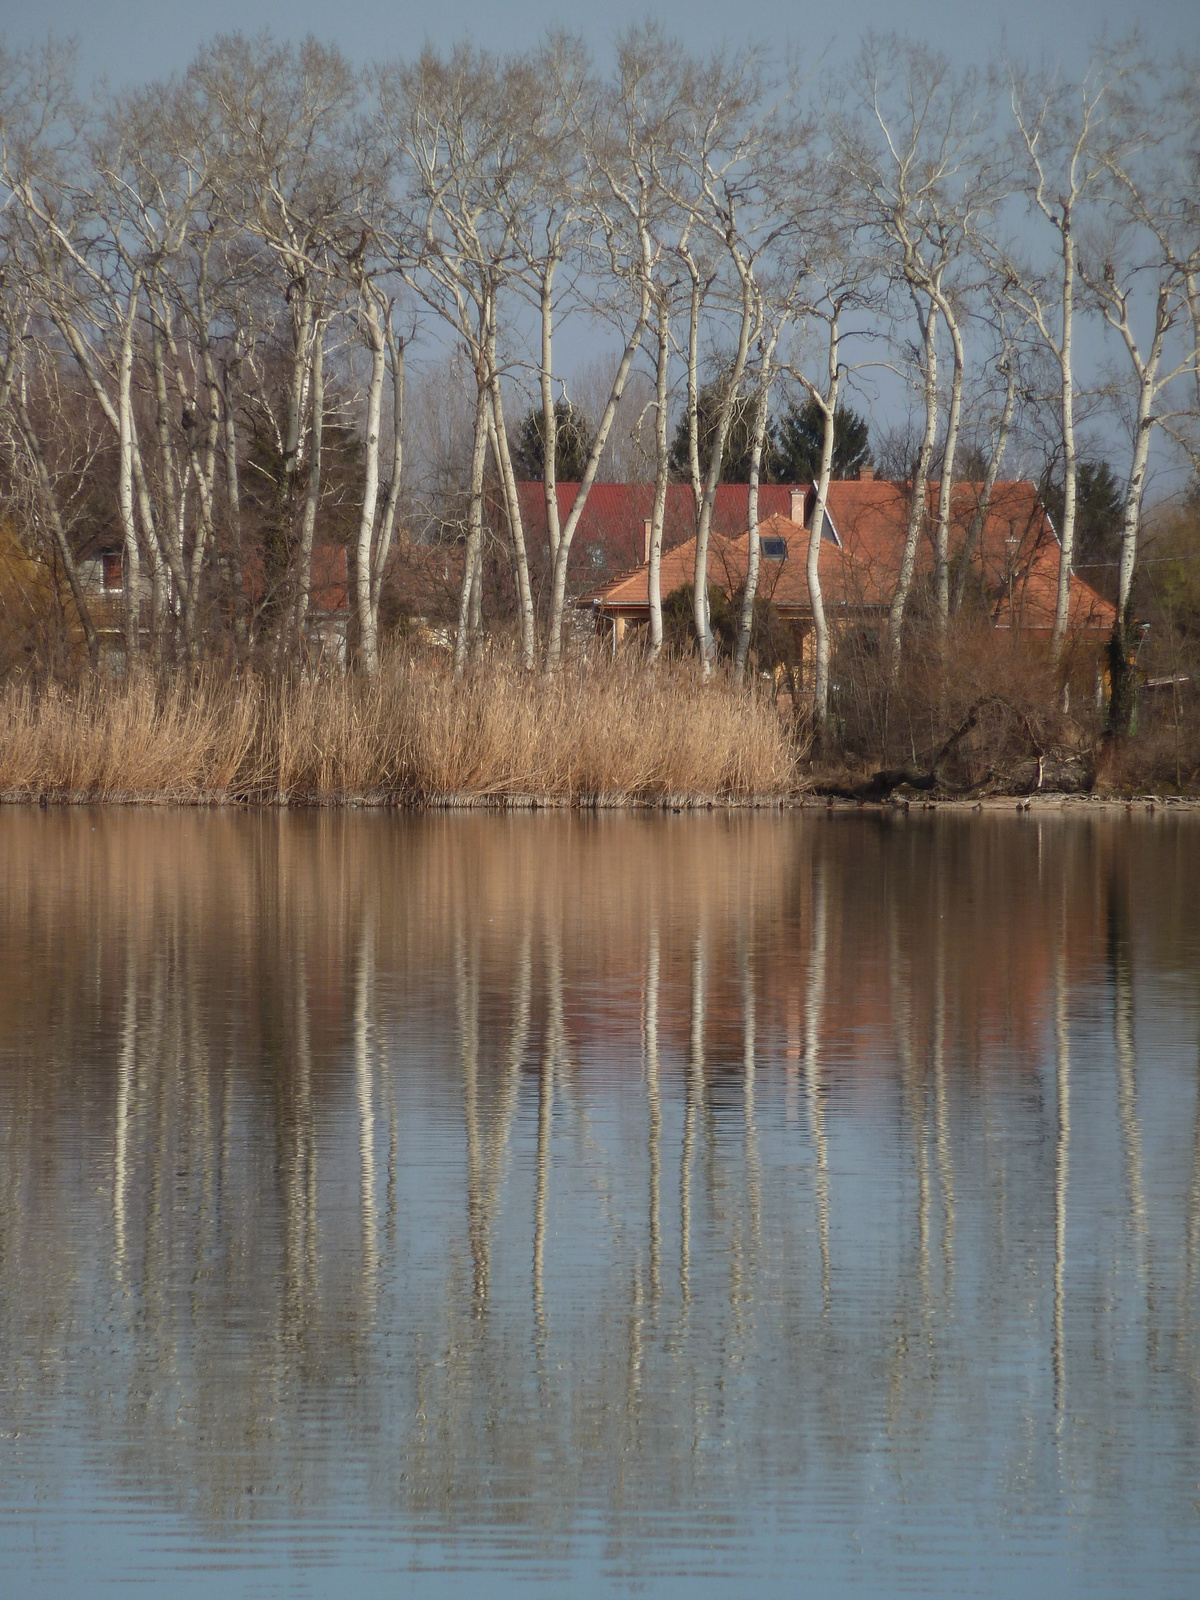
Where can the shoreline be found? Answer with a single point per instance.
(600, 738)
(810, 800)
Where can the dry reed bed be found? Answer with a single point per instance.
(604, 733)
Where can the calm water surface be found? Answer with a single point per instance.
(742, 1206)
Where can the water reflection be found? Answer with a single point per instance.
(585, 1196)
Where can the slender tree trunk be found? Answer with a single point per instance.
(941, 532)
(712, 478)
(233, 499)
(1191, 290)
(312, 492)
(368, 643)
(163, 552)
(131, 565)
(201, 464)
(1066, 534)
(470, 601)
(917, 509)
(549, 415)
(302, 332)
(1122, 674)
(758, 437)
(604, 428)
(387, 529)
(662, 471)
(516, 525)
(816, 600)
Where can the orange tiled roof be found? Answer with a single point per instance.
(859, 563)
(610, 537)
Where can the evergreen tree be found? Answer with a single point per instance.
(799, 435)
(1099, 512)
(735, 463)
(573, 444)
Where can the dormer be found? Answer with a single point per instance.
(804, 503)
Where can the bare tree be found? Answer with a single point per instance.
(462, 150)
(1139, 253)
(920, 179)
(637, 149)
(1064, 144)
(731, 172)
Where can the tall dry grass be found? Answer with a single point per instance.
(603, 732)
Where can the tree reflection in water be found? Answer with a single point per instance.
(348, 1159)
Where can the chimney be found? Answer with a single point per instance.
(647, 524)
(866, 474)
(796, 507)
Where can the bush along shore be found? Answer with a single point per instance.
(598, 733)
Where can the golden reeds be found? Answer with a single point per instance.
(603, 733)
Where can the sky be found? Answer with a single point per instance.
(133, 41)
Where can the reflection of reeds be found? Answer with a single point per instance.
(610, 731)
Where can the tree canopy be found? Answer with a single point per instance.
(798, 437)
(573, 442)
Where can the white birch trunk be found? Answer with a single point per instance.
(469, 600)
(312, 493)
(941, 532)
(387, 529)
(1066, 534)
(549, 415)
(516, 524)
(746, 621)
(816, 600)
(662, 470)
(704, 521)
(917, 508)
(603, 429)
(131, 565)
(364, 614)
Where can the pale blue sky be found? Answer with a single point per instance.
(131, 41)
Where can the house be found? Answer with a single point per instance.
(613, 531)
(101, 567)
(1015, 562)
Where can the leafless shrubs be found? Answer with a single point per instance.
(981, 711)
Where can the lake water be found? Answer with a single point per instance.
(468, 1205)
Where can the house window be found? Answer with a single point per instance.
(596, 555)
(113, 566)
(774, 548)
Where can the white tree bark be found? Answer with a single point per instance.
(469, 599)
(762, 402)
(662, 471)
(927, 316)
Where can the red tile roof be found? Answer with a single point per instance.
(610, 537)
(1018, 556)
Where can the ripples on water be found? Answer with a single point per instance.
(751, 1206)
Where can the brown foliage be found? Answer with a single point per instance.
(984, 710)
(600, 732)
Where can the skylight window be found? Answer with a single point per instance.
(774, 548)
